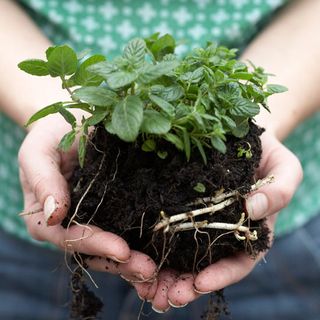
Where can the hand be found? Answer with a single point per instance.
(178, 290)
(44, 171)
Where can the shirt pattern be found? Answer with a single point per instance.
(105, 26)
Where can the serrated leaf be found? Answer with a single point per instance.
(162, 46)
(68, 116)
(155, 123)
(163, 104)
(276, 88)
(83, 77)
(218, 144)
(135, 52)
(244, 108)
(62, 61)
(51, 109)
(127, 118)
(98, 96)
(120, 79)
(148, 145)
(36, 67)
(67, 141)
(82, 150)
(150, 72)
(103, 69)
(174, 139)
(170, 93)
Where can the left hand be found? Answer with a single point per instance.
(177, 290)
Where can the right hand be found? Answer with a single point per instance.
(44, 171)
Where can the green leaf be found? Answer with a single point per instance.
(82, 150)
(149, 145)
(155, 123)
(127, 118)
(103, 69)
(244, 108)
(120, 79)
(97, 117)
(200, 148)
(162, 154)
(67, 141)
(174, 139)
(187, 144)
(49, 51)
(241, 75)
(68, 116)
(276, 88)
(51, 109)
(83, 77)
(162, 46)
(150, 72)
(199, 187)
(35, 67)
(97, 96)
(135, 52)
(62, 61)
(218, 144)
(163, 104)
(241, 129)
(193, 76)
(170, 93)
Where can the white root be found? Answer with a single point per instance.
(214, 204)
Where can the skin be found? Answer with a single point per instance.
(44, 170)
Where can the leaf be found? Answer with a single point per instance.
(244, 108)
(218, 144)
(162, 154)
(97, 117)
(150, 72)
(155, 123)
(67, 141)
(170, 93)
(103, 69)
(135, 52)
(163, 104)
(193, 76)
(36, 67)
(241, 75)
(162, 46)
(174, 139)
(82, 150)
(127, 118)
(97, 96)
(276, 88)
(241, 129)
(187, 144)
(68, 116)
(83, 77)
(49, 51)
(200, 148)
(62, 61)
(199, 187)
(51, 109)
(148, 145)
(120, 79)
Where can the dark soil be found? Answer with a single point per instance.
(132, 187)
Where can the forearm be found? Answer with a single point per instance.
(288, 49)
(20, 94)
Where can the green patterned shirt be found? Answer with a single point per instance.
(105, 26)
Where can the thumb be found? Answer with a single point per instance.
(285, 166)
(40, 168)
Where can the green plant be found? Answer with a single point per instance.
(148, 94)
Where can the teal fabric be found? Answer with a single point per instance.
(105, 26)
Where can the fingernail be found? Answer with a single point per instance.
(201, 292)
(118, 260)
(159, 311)
(257, 206)
(177, 306)
(50, 206)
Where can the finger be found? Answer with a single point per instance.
(286, 168)
(160, 302)
(40, 168)
(146, 290)
(182, 291)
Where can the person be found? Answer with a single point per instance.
(28, 280)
